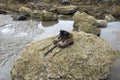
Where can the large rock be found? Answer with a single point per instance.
(25, 10)
(48, 16)
(86, 23)
(67, 9)
(89, 58)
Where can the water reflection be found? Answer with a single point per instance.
(112, 34)
(54, 30)
(48, 23)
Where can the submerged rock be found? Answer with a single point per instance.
(86, 23)
(67, 9)
(48, 23)
(89, 58)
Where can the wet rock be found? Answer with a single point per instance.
(86, 23)
(65, 2)
(48, 16)
(116, 11)
(53, 8)
(67, 9)
(65, 17)
(109, 18)
(89, 58)
(48, 23)
(3, 12)
(25, 10)
(36, 14)
(21, 17)
(102, 23)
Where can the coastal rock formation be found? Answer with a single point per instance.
(86, 23)
(25, 10)
(48, 16)
(102, 23)
(89, 58)
(67, 9)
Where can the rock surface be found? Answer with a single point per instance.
(36, 14)
(102, 23)
(89, 58)
(109, 18)
(48, 16)
(86, 23)
(25, 10)
(67, 9)
(21, 17)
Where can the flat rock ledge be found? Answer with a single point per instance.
(89, 58)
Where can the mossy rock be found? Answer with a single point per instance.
(89, 58)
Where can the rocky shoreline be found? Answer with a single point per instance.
(90, 57)
(88, 17)
(99, 10)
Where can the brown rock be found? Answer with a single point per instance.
(89, 58)
(67, 9)
(86, 23)
(25, 10)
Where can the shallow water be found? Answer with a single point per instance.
(112, 34)
(16, 35)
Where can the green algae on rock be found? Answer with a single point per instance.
(89, 58)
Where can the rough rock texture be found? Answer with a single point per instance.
(25, 10)
(67, 9)
(109, 18)
(89, 58)
(102, 23)
(48, 16)
(86, 23)
(36, 14)
(116, 11)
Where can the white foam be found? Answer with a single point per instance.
(21, 34)
(7, 31)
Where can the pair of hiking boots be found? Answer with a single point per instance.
(65, 39)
